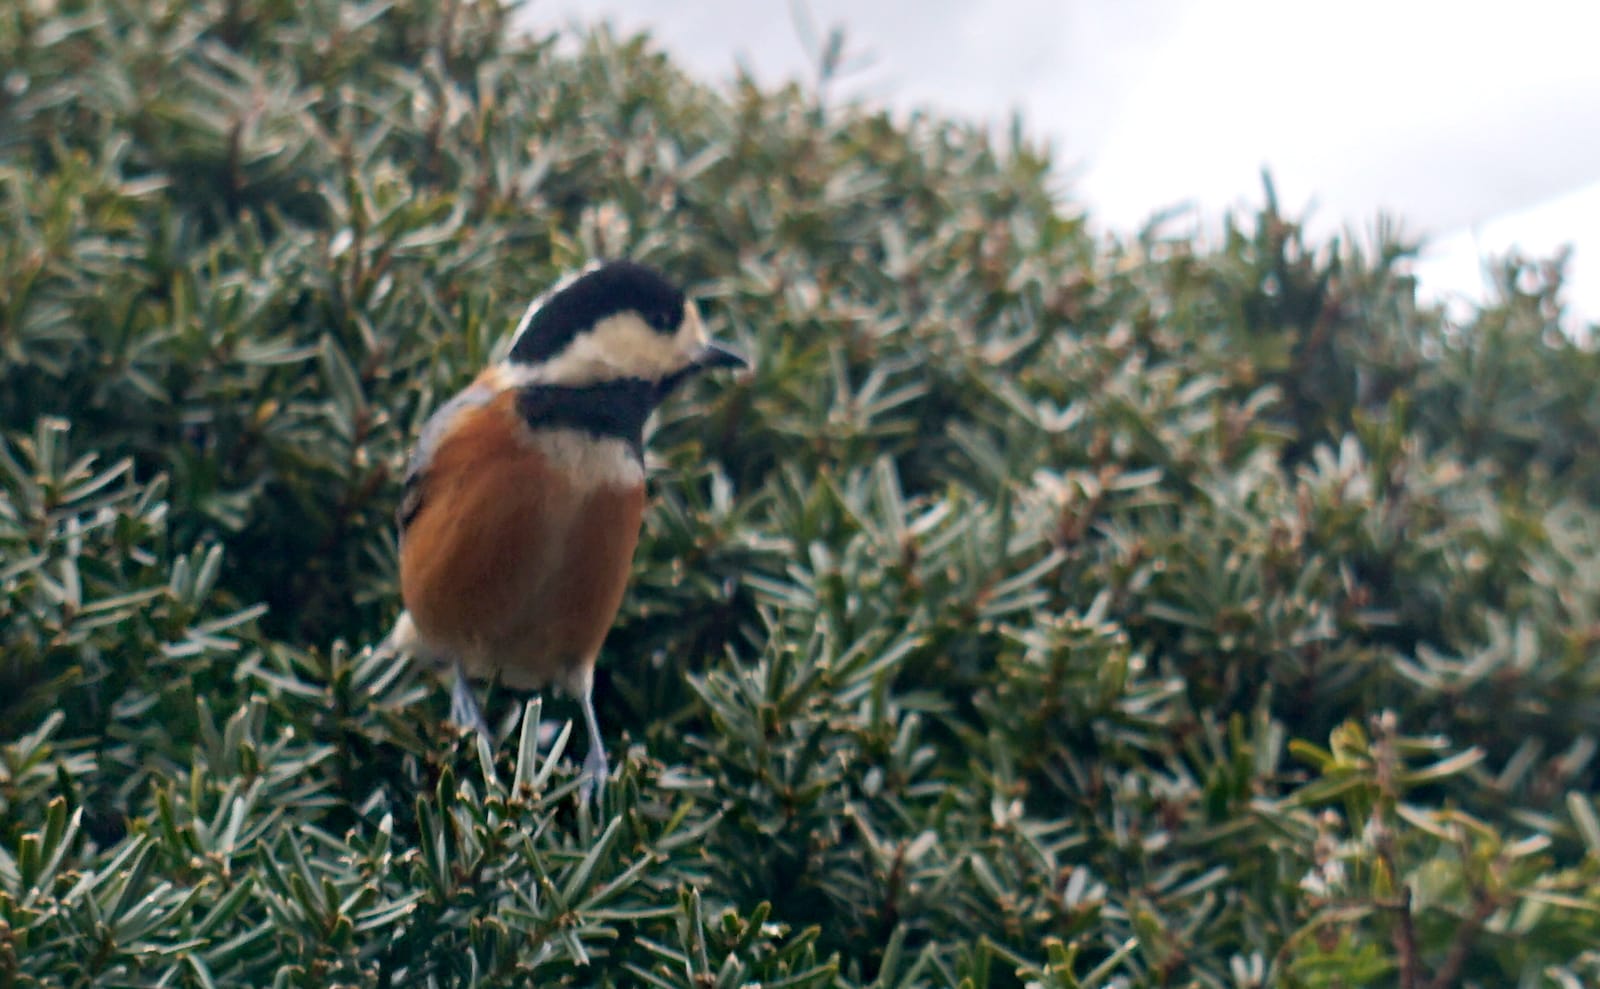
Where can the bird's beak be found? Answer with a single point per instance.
(715, 355)
(709, 357)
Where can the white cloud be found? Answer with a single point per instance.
(1445, 113)
(1452, 115)
(1452, 269)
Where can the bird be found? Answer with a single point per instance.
(524, 496)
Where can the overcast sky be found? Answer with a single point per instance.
(1477, 124)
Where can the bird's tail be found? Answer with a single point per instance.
(402, 638)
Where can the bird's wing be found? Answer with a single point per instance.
(434, 430)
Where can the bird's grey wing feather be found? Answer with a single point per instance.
(433, 431)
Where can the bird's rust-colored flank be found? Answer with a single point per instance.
(510, 566)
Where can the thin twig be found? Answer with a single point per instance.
(1405, 941)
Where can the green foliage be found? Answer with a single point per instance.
(1044, 609)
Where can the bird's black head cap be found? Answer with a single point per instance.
(609, 289)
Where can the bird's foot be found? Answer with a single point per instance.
(595, 770)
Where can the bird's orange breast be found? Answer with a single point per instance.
(512, 566)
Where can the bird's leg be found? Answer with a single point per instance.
(464, 709)
(595, 767)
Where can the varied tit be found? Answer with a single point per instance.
(523, 501)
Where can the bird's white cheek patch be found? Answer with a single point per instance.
(625, 346)
(620, 346)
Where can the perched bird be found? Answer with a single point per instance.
(524, 497)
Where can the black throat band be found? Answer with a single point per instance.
(605, 410)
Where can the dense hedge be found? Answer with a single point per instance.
(1046, 608)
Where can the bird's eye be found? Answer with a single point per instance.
(662, 320)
